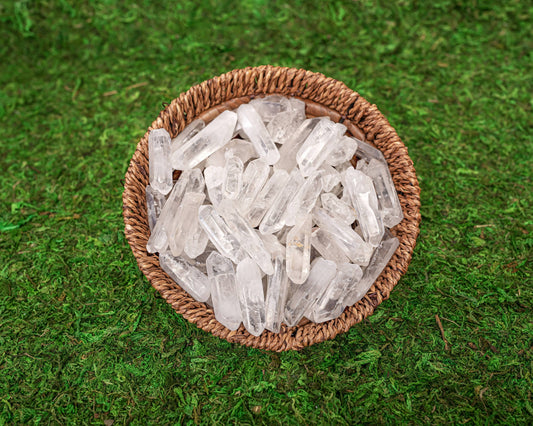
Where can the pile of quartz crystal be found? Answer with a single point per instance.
(269, 221)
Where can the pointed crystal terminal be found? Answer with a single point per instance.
(255, 130)
(235, 147)
(302, 297)
(251, 297)
(266, 197)
(269, 106)
(364, 199)
(232, 178)
(283, 125)
(324, 243)
(214, 136)
(188, 277)
(224, 291)
(186, 221)
(197, 242)
(214, 180)
(330, 304)
(338, 208)
(299, 250)
(220, 234)
(305, 199)
(290, 148)
(389, 204)
(273, 245)
(344, 151)
(154, 203)
(274, 217)
(367, 152)
(160, 169)
(186, 134)
(316, 148)
(381, 257)
(276, 295)
(253, 179)
(247, 236)
(353, 246)
(330, 178)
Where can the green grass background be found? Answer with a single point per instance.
(84, 339)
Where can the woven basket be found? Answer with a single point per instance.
(323, 97)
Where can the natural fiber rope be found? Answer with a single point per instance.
(323, 96)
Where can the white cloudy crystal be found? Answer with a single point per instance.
(186, 221)
(302, 297)
(324, 243)
(188, 277)
(276, 295)
(381, 257)
(273, 245)
(232, 177)
(330, 304)
(389, 204)
(154, 203)
(197, 242)
(305, 199)
(220, 234)
(254, 128)
(237, 147)
(344, 151)
(226, 304)
(338, 208)
(316, 148)
(186, 134)
(253, 179)
(213, 137)
(251, 297)
(214, 180)
(298, 252)
(160, 170)
(364, 199)
(353, 246)
(330, 177)
(269, 106)
(283, 125)
(266, 197)
(290, 148)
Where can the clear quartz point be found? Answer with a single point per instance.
(253, 179)
(213, 137)
(324, 243)
(298, 251)
(291, 146)
(367, 152)
(186, 221)
(214, 180)
(160, 170)
(338, 208)
(236, 147)
(305, 199)
(232, 177)
(255, 130)
(226, 304)
(330, 178)
(197, 242)
(381, 257)
(186, 134)
(343, 152)
(188, 277)
(266, 197)
(364, 199)
(302, 297)
(284, 124)
(154, 204)
(276, 295)
(274, 217)
(251, 296)
(269, 106)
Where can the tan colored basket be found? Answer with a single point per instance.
(323, 96)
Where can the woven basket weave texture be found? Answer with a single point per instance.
(323, 97)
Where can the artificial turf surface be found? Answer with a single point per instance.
(84, 339)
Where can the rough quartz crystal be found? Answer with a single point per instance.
(253, 179)
(226, 304)
(305, 199)
(197, 242)
(289, 149)
(343, 152)
(269, 106)
(159, 164)
(276, 295)
(284, 124)
(367, 152)
(251, 297)
(298, 254)
(213, 137)
(233, 170)
(186, 134)
(330, 178)
(186, 221)
(188, 277)
(154, 203)
(338, 208)
(214, 180)
(266, 197)
(235, 147)
(325, 244)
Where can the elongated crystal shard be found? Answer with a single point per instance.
(299, 250)
(253, 179)
(325, 244)
(251, 296)
(364, 199)
(235, 147)
(337, 208)
(269, 106)
(353, 246)
(214, 136)
(389, 204)
(154, 203)
(330, 178)
(274, 217)
(247, 236)
(276, 295)
(186, 221)
(305, 199)
(284, 124)
(368, 152)
(232, 178)
(220, 234)
(381, 257)
(186, 134)
(302, 297)
(254, 128)
(188, 277)
(160, 169)
(197, 242)
(214, 180)
(273, 245)
(291, 146)
(330, 304)
(344, 151)
(316, 148)
(266, 197)
(226, 304)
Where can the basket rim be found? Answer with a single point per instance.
(324, 96)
